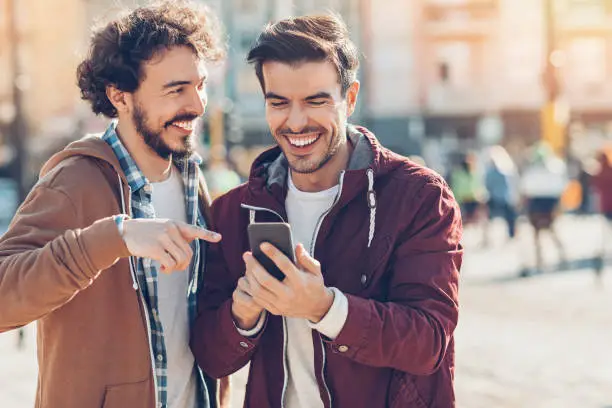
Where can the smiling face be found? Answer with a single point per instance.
(169, 100)
(307, 113)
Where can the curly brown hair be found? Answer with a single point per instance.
(118, 51)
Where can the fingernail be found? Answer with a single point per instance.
(265, 246)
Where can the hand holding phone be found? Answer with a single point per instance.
(301, 294)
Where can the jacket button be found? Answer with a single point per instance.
(364, 279)
(160, 358)
(244, 344)
(343, 349)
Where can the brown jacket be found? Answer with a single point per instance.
(64, 264)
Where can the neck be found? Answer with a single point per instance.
(154, 167)
(327, 176)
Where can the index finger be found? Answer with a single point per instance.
(284, 264)
(191, 232)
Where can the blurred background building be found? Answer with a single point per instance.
(438, 76)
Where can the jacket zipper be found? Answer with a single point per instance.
(196, 262)
(312, 252)
(285, 369)
(312, 244)
(144, 307)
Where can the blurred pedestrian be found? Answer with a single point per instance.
(106, 253)
(602, 183)
(501, 182)
(543, 182)
(585, 181)
(469, 189)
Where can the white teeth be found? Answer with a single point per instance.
(184, 125)
(302, 141)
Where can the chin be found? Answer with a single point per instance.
(306, 167)
(183, 145)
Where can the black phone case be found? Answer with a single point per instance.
(277, 234)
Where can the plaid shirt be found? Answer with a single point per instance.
(146, 269)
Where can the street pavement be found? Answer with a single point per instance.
(538, 342)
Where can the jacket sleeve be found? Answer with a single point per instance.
(47, 256)
(218, 347)
(411, 331)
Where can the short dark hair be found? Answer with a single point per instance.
(308, 38)
(118, 51)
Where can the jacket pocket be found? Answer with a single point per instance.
(130, 395)
(403, 392)
(375, 261)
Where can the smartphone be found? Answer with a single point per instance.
(277, 234)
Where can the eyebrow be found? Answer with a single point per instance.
(272, 95)
(172, 84)
(320, 95)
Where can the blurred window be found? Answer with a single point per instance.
(443, 71)
(587, 58)
(455, 63)
(587, 11)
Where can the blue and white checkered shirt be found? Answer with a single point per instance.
(146, 270)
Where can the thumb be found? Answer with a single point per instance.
(307, 262)
(191, 232)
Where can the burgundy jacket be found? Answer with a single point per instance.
(396, 348)
(602, 182)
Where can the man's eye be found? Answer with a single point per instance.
(317, 103)
(176, 91)
(278, 104)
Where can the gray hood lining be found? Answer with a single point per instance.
(361, 159)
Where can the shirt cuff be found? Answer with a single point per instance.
(332, 323)
(255, 330)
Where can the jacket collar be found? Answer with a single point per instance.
(275, 170)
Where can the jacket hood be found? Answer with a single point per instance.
(368, 161)
(89, 146)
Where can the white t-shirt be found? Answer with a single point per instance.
(304, 211)
(169, 202)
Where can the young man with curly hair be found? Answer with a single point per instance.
(366, 316)
(107, 251)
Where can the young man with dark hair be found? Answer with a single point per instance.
(365, 318)
(106, 252)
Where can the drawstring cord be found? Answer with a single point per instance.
(123, 210)
(372, 205)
